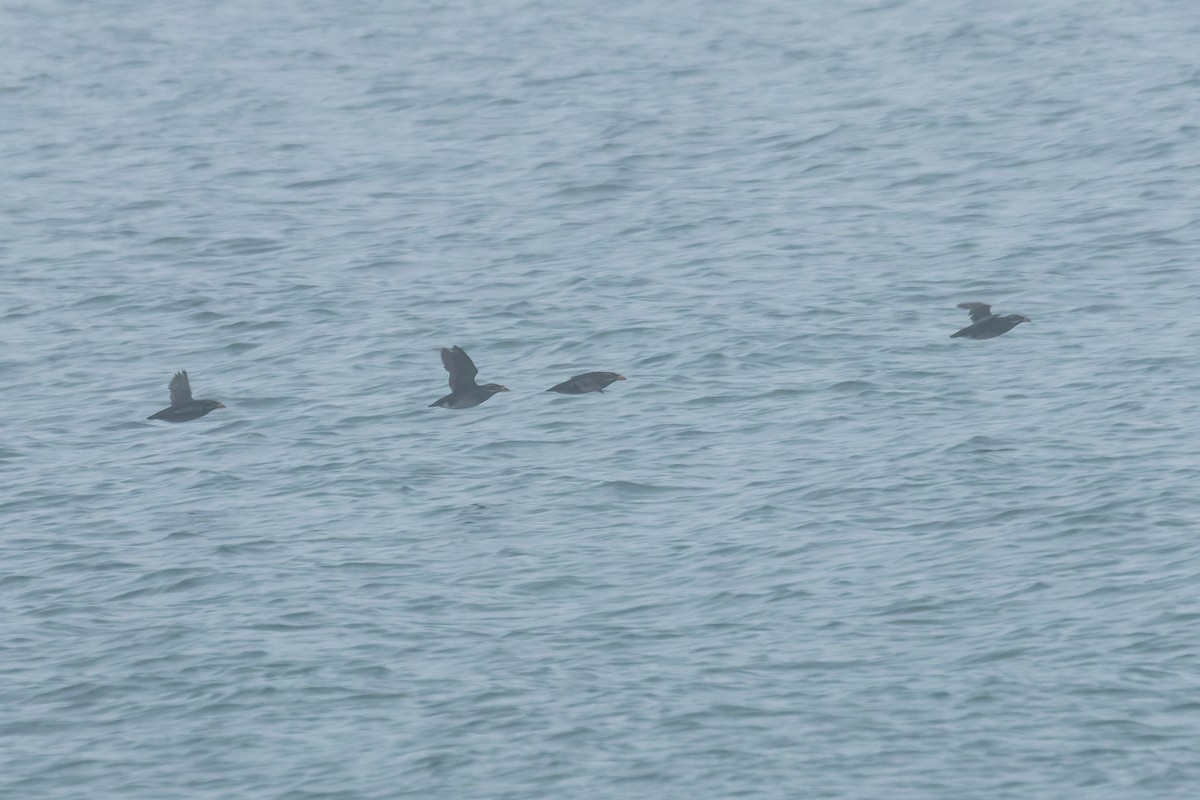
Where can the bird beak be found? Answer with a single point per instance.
(621, 377)
(504, 388)
(220, 405)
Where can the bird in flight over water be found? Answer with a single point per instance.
(183, 407)
(587, 382)
(464, 392)
(985, 324)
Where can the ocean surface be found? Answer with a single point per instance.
(812, 548)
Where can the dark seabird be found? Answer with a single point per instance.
(587, 382)
(985, 324)
(464, 392)
(183, 407)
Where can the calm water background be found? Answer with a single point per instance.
(813, 548)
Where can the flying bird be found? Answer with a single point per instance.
(985, 324)
(587, 382)
(183, 407)
(464, 392)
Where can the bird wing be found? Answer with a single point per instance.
(593, 381)
(181, 390)
(461, 368)
(978, 311)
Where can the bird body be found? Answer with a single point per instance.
(183, 407)
(587, 382)
(464, 392)
(985, 324)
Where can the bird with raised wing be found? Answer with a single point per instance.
(464, 392)
(183, 407)
(985, 324)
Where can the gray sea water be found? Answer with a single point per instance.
(812, 548)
